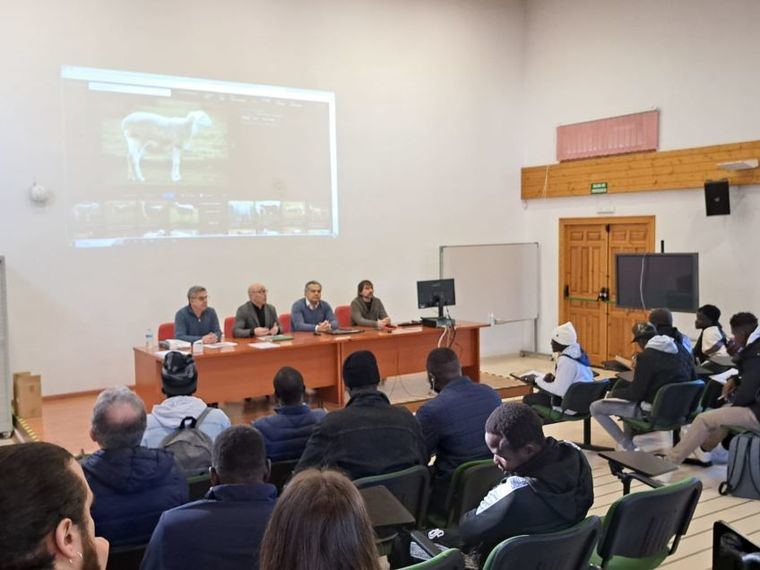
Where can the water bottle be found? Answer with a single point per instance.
(149, 339)
(198, 347)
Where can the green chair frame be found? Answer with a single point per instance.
(568, 549)
(640, 530)
(578, 398)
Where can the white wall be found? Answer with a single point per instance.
(693, 60)
(428, 153)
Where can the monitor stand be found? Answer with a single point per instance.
(440, 321)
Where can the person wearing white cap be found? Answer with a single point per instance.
(572, 366)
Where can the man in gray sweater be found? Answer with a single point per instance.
(367, 310)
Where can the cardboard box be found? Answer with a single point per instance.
(27, 395)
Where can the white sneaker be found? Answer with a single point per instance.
(701, 456)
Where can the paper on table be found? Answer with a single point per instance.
(264, 345)
(535, 373)
(405, 330)
(724, 376)
(219, 344)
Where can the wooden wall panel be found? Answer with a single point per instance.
(641, 172)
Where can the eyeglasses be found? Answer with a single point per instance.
(203, 298)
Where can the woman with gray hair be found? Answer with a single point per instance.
(132, 485)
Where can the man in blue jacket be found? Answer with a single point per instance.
(132, 485)
(453, 423)
(287, 432)
(224, 530)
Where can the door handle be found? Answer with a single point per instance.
(567, 291)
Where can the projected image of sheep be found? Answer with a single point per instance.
(144, 131)
(152, 157)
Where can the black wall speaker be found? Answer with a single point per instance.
(716, 198)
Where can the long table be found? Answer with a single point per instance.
(232, 373)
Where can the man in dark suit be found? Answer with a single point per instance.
(256, 317)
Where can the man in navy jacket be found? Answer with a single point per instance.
(132, 485)
(453, 423)
(224, 530)
(287, 432)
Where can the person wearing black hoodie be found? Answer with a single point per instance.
(662, 319)
(547, 487)
(659, 363)
(132, 485)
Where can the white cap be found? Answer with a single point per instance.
(565, 334)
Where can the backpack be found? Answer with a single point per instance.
(743, 477)
(190, 446)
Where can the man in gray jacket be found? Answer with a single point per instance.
(367, 310)
(256, 317)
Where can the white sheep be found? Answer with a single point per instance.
(148, 130)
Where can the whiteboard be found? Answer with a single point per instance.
(493, 279)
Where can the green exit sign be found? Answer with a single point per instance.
(598, 187)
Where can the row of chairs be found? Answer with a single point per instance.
(638, 532)
(674, 406)
(342, 313)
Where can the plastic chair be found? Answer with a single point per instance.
(672, 408)
(285, 323)
(470, 482)
(198, 486)
(165, 331)
(126, 557)
(451, 559)
(280, 473)
(640, 530)
(343, 314)
(578, 398)
(229, 324)
(410, 486)
(568, 549)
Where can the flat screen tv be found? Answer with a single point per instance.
(649, 280)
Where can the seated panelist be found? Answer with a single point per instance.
(256, 317)
(367, 310)
(197, 321)
(311, 314)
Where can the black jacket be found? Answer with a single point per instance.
(552, 491)
(747, 394)
(654, 369)
(367, 437)
(687, 359)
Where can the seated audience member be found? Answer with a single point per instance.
(287, 432)
(572, 366)
(311, 314)
(453, 422)
(132, 485)
(324, 514)
(712, 340)
(223, 530)
(659, 363)
(369, 436)
(367, 310)
(256, 317)
(196, 320)
(743, 391)
(548, 487)
(45, 509)
(179, 380)
(662, 319)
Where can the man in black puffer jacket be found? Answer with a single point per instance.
(662, 319)
(548, 486)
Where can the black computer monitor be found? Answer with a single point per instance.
(436, 293)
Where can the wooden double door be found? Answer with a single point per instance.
(587, 288)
